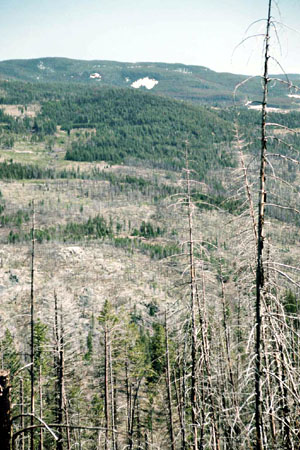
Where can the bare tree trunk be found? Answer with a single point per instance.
(193, 312)
(183, 399)
(112, 400)
(22, 441)
(106, 391)
(5, 410)
(116, 411)
(133, 408)
(285, 403)
(62, 406)
(58, 362)
(260, 240)
(66, 409)
(41, 444)
(168, 383)
(138, 424)
(32, 409)
(128, 397)
(179, 410)
(61, 379)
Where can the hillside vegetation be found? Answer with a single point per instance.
(137, 213)
(195, 84)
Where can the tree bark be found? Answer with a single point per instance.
(32, 409)
(260, 239)
(22, 442)
(5, 410)
(168, 385)
(106, 391)
(41, 443)
(193, 312)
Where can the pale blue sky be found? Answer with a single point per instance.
(200, 32)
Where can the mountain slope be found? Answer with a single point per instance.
(192, 83)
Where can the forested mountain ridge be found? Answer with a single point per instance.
(196, 84)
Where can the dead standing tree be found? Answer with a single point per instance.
(190, 207)
(276, 394)
(32, 409)
(5, 411)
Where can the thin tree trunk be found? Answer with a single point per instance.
(32, 409)
(5, 410)
(112, 400)
(260, 240)
(128, 397)
(130, 434)
(106, 390)
(22, 441)
(116, 411)
(184, 396)
(138, 424)
(41, 444)
(58, 363)
(168, 385)
(66, 409)
(179, 410)
(193, 312)
(285, 403)
(61, 379)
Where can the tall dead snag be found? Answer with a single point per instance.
(108, 319)
(168, 383)
(57, 363)
(41, 443)
(260, 238)
(193, 293)
(5, 410)
(32, 328)
(112, 398)
(106, 390)
(22, 442)
(61, 400)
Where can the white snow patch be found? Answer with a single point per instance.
(268, 109)
(41, 66)
(182, 71)
(294, 95)
(146, 82)
(96, 76)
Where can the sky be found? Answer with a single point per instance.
(195, 32)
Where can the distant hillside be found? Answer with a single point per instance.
(197, 84)
(119, 125)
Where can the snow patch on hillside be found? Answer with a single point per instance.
(258, 107)
(146, 82)
(41, 66)
(185, 71)
(294, 95)
(95, 76)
